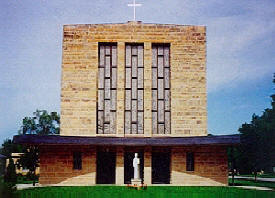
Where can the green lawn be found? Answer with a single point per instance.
(245, 182)
(155, 192)
(6, 190)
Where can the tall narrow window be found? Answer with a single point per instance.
(134, 89)
(77, 161)
(190, 161)
(161, 89)
(107, 88)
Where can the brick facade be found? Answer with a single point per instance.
(56, 165)
(80, 70)
(210, 166)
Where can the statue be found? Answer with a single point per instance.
(136, 165)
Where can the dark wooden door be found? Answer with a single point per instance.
(106, 168)
(160, 168)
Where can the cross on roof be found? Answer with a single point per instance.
(134, 5)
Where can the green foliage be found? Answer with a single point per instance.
(26, 179)
(8, 147)
(257, 148)
(29, 160)
(6, 189)
(10, 176)
(41, 123)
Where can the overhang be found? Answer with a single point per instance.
(226, 140)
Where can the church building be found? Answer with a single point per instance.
(131, 88)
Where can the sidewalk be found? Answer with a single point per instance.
(24, 186)
(271, 179)
(254, 187)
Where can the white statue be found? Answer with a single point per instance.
(136, 164)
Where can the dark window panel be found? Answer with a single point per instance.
(100, 121)
(114, 56)
(140, 100)
(154, 100)
(108, 66)
(189, 161)
(140, 122)
(140, 78)
(155, 122)
(154, 78)
(100, 99)
(114, 77)
(140, 56)
(77, 160)
(127, 122)
(167, 122)
(101, 77)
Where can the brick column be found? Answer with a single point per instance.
(147, 89)
(147, 165)
(120, 166)
(120, 88)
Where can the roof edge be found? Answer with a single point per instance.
(127, 141)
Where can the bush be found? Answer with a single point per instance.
(10, 175)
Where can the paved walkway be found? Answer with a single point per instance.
(271, 179)
(24, 186)
(254, 187)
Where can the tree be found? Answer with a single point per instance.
(41, 123)
(257, 148)
(8, 147)
(10, 175)
(30, 160)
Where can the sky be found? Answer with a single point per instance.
(240, 52)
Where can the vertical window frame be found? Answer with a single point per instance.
(190, 161)
(127, 89)
(77, 160)
(112, 110)
(155, 112)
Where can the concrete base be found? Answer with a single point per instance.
(136, 181)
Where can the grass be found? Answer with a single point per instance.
(23, 179)
(6, 189)
(245, 182)
(155, 191)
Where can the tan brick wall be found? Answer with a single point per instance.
(210, 166)
(120, 166)
(147, 165)
(56, 165)
(188, 75)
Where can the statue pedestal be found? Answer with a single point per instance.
(136, 181)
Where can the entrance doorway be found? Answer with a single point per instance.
(160, 168)
(106, 168)
(128, 166)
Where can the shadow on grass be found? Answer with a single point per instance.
(7, 190)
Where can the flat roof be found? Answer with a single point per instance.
(127, 141)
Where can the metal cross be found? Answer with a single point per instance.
(134, 5)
